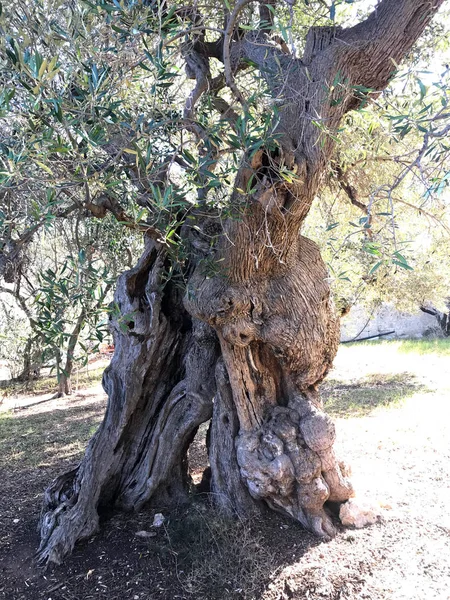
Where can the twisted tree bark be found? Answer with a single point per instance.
(160, 385)
(259, 332)
(278, 335)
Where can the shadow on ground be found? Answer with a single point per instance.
(197, 553)
(360, 397)
(48, 436)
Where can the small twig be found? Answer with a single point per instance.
(365, 325)
(291, 24)
(391, 203)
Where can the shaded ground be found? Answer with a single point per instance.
(395, 433)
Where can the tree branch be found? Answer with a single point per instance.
(20, 300)
(229, 31)
(225, 110)
(349, 189)
(430, 311)
(427, 214)
(375, 46)
(197, 67)
(105, 204)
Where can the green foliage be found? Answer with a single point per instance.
(76, 292)
(14, 333)
(97, 127)
(394, 154)
(98, 99)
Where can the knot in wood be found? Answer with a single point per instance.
(318, 431)
(240, 332)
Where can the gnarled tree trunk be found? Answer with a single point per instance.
(259, 333)
(160, 389)
(278, 335)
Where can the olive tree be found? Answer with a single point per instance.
(227, 315)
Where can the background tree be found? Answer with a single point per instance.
(58, 304)
(71, 298)
(228, 300)
(390, 241)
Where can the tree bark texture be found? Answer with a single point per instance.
(278, 336)
(258, 333)
(160, 389)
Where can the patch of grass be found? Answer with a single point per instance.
(49, 385)
(438, 346)
(360, 397)
(46, 438)
(214, 557)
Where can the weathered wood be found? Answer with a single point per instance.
(268, 305)
(153, 412)
(227, 487)
(278, 337)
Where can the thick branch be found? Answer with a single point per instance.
(379, 43)
(197, 67)
(226, 49)
(226, 111)
(105, 204)
(314, 93)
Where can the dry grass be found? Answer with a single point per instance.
(214, 556)
(47, 384)
(361, 396)
(46, 437)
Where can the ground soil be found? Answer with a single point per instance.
(396, 437)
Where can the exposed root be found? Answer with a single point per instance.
(63, 522)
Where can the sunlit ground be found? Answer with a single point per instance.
(390, 401)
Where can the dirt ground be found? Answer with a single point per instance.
(391, 405)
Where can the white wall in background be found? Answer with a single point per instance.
(386, 318)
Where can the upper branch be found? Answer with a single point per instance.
(375, 46)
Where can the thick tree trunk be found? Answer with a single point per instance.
(260, 333)
(278, 333)
(269, 439)
(160, 384)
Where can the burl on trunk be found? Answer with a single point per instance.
(278, 335)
